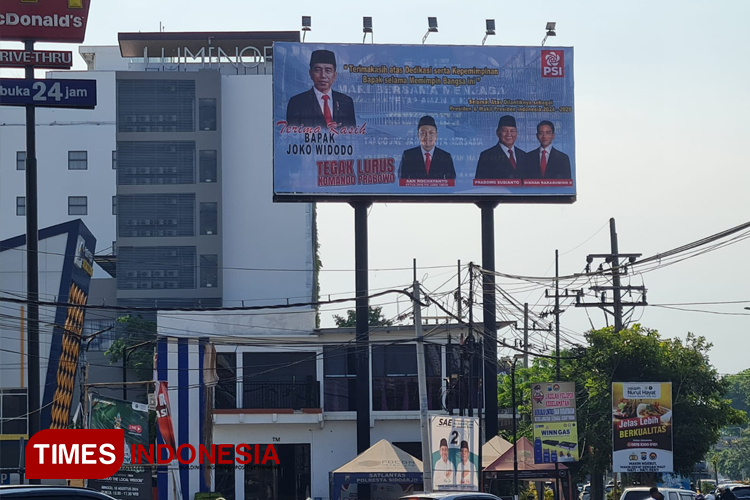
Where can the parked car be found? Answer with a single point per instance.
(44, 492)
(741, 491)
(642, 493)
(450, 495)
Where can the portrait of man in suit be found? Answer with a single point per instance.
(426, 161)
(546, 162)
(321, 105)
(504, 160)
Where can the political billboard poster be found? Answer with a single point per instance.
(423, 123)
(553, 407)
(642, 427)
(454, 447)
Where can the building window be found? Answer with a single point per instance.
(13, 411)
(78, 205)
(20, 205)
(209, 271)
(78, 160)
(114, 160)
(209, 219)
(207, 166)
(207, 114)
(340, 384)
(280, 380)
(394, 378)
(20, 160)
(226, 390)
(114, 205)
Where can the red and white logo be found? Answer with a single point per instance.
(553, 64)
(74, 453)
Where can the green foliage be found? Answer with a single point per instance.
(375, 318)
(207, 496)
(700, 409)
(135, 331)
(739, 390)
(734, 460)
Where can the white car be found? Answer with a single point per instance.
(643, 493)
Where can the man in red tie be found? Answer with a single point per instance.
(321, 105)
(504, 160)
(546, 162)
(426, 161)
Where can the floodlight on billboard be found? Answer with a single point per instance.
(423, 123)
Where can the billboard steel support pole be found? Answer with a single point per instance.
(490, 326)
(363, 334)
(32, 264)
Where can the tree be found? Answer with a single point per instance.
(699, 407)
(739, 390)
(135, 331)
(734, 460)
(375, 318)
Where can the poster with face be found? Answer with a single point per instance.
(455, 453)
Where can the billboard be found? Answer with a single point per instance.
(44, 20)
(454, 448)
(642, 427)
(423, 123)
(553, 407)
(108, 413)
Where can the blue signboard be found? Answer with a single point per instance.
(48, 93)
(423, 123)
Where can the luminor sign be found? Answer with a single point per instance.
(44, 20)
(209, 56)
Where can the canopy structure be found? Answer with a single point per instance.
(502, 468)
(493, 449)
(382, 463)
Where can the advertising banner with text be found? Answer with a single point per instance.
(642, 427)
(401, 122)
(455, 453)
(553, 407)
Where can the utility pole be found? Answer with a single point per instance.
(422, 382)
(614, 260)
(526, 331)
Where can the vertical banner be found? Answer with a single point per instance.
(642, 427)
(554, 416)
(108, 413)
(455, 453)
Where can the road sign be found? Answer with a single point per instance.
(49, 93)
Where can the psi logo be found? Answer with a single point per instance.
(553, 64)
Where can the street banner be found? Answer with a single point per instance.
(107, 413)
(454, 449)
(44, 20)
(404, 123)
(642, 427)
(553, 407)
(48, 93)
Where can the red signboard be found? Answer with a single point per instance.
(44, 20)
(44, 59)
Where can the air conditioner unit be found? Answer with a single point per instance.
(147, 234)
(172, 233)
(145, 274)
(171, 253)
(144, 118)
(172, 273)
(171, 284)
(131, 274)
(144, 284)
(158, 274)
(170, 201)
(160, 233)
(130, 118)
(171, 149)
(158, 284)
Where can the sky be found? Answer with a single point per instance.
(660, 96)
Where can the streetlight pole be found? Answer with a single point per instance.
(513, 418)
(126, 352)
